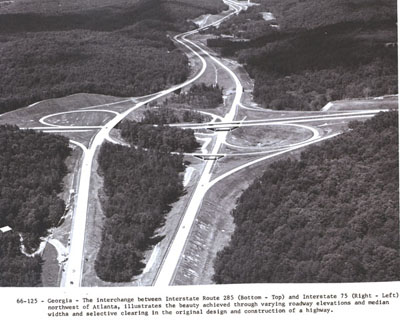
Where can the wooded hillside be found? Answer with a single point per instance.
(31, 172)
(332, 216)
(139, 186)
(322, 51)
(120, 50)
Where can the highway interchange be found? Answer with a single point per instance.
(216, 140)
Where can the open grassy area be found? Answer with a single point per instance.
(390, 102)
(268, 136)
(214, 223)
(30, 116)
(86, 118)
(95, 224)
(50, 269)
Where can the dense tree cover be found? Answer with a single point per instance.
(163, 115)
(309, 70)
(249, 24)
(139, 186)
(35, 67)
(62, 6)
(332, 216)
(185, 8)
(309, 14)
(120, 49)
(162, 138)
(190, 9)
(200, 96)
(17, 270)
(306, 14)
(103, 17)
(316, 60)
(31, 172)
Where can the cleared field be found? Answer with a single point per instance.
(94, 225)
(268, 136)
(30, 116)
(84, 118)
(51, 269)
(155, 254)
(389, 102)
(214, 224)
(260, 113)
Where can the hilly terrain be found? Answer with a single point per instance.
(310, 52)
(331, 216)
(51, 49)
(32, 167)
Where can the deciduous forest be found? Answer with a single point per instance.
(332, 216)
(200, 96)
(162, 138)
(162, 115)
(321, 50)
(31, 171)
(122, 49)
(140, 185)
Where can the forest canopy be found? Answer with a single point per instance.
(120, 50)
(162, 138)
(200, 96)
(139, 186)
(162, 114)
(332, 216)
(31, 171)
(315, 51)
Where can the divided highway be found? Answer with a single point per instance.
(72, 277)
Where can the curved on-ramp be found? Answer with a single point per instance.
(75, 262)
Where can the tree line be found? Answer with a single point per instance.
(313, 59)
(331, 216)
(163, 138)
(200, 96)
(31, 171)
(140, 185)
(121, 50)
(161, 115)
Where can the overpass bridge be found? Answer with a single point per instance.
(206, 156)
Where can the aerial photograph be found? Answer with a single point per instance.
(197, 142)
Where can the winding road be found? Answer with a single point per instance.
(72, 277)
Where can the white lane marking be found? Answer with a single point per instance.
(75, 263)
(167, 271)
(223, 176)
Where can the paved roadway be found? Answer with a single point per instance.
(75, 262)
(73, 274)
(167, 271)
(166, 274)
(169, 264)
